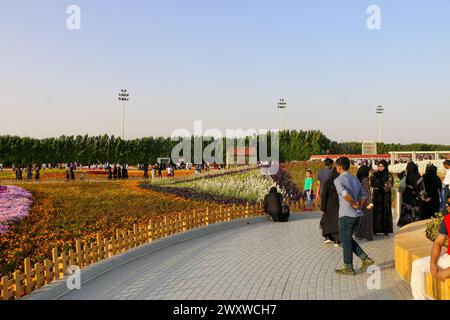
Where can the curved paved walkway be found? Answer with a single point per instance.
(257, 261)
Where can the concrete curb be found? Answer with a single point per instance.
(58, 288)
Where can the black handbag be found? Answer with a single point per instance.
(406, 218)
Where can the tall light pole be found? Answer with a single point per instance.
(281, 105)
(123, 96)
(380, 112)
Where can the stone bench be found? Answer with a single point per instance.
(411, 244)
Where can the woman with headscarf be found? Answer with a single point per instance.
(329, 205)
(412, 196)
(365, 227)
(382, 182)
(433, 187)
(273, 206)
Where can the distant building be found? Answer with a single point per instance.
(355, 157)
(242, 156)
(369, 147)
(406, 156)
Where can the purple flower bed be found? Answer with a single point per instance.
(15, 205)
(284, 180)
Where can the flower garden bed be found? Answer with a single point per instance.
(235, 187)
(64, 212)
(15, 205)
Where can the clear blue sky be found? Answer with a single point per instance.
(226, 62)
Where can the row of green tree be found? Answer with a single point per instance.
(384, 148)
(293, 145)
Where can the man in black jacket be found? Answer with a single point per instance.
(273, 206)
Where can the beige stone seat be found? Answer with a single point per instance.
(411, 244)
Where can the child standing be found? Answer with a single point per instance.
(309, 182)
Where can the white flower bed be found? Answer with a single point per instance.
(251, 185)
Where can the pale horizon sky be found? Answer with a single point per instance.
(226, 62)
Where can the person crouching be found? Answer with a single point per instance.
(273, 206)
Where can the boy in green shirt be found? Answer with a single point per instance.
(309, 181)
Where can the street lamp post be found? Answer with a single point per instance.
(123, 96)
(380, 112)
(281, 105)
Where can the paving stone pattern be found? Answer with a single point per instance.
(257, 261)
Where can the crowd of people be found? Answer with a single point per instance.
(114, 170)
(347, 204)
(360, 207)
(117, 171)
(29, 170)
(375, 216)
(427, 189)
(157, 169)
(422, 196)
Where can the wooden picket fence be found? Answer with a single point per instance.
(36, 276)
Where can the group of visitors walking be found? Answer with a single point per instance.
(156, 170)
(19, 170)
(117, 171)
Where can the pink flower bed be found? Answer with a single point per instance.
(15, 205)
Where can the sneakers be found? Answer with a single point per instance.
(346, 271)
(336, 244)
(366, 264)
(326, 241)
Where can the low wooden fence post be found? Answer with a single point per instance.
(28, 275)
(55, 263)
(182, 224)
(136, 238)
(165, 227)
(18, 287)
(99, 245)
(63, 264)
(152, 230)
(39, 275)
(4, 294)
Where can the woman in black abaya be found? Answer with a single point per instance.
(329, 205)
(433, 187)
(413, 195)
(365, 226)
(382, 182)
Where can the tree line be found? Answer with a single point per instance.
(294, 145)
(384, 148)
